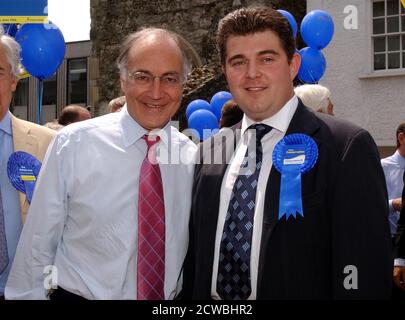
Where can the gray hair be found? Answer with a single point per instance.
(314, 96)
(184, 46)
(12, 50)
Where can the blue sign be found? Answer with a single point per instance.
(23, 11)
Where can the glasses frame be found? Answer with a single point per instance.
(150, 79)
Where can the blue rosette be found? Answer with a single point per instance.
(23, 169)
(294, 155)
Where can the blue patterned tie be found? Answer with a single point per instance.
(3, 240)
(233, 282)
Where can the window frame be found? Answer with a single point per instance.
(371, 36)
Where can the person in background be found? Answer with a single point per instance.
(399, 254)
(394, 167)
(15, 135)
(73, 113)
(316, 97)
(116, 232)
(116, 104)
(231, 114)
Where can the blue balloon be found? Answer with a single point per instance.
(197, 105)
(204, 122)
(217, 102)
(42, 48)
(291, 21)
(10, 29)
(317, 29)
(313, 65)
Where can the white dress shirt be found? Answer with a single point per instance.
(279, 122)
(83, 217)
(394, 167)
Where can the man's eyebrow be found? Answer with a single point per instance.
(237, 56)
(260, 53)
(163, 74)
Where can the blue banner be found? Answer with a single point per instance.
(23, 11)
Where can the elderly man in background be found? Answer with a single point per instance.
(316, 97)
(15, 135)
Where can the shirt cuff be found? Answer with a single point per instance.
(399, 263)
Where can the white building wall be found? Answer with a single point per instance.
(372, 101)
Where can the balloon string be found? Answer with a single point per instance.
(40, 93)
(314, 81)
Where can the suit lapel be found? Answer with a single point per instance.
(23, 140)
(303, 121)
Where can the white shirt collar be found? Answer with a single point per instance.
(279, 121)
(132, 131)
(5, 124)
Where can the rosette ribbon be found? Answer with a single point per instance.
(294, 155)
(23, 169)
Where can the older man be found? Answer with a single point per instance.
(15, 135)
(111, 208)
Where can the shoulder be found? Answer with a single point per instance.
(33, 128)
(108, 122)
(388, 161)
(343, 134)
(182, 139)
(339, 128)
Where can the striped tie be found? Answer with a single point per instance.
(151, 229)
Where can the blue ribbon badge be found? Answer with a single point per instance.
(23, 170)
(292, 156)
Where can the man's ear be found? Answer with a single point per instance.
(401, 138)
(223, 68)
(14, 84)
(122, 83)
(295, 64)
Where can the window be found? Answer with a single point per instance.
(49, 100)
(19, 104)
(388, 36)
(77, 81)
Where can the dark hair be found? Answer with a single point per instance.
(251, 20)
(231, 114)
(400, 129)
(70, 114)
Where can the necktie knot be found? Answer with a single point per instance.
(261, 130)
(150, 140)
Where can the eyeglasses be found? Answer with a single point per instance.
(171, 80)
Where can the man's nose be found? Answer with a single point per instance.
(252, 70)
(156, 90)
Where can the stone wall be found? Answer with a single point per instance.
(195, 20)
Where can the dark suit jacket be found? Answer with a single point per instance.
(345, 221)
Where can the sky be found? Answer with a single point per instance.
(72, 17)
